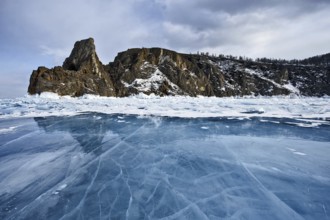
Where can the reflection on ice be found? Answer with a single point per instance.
(97, 166)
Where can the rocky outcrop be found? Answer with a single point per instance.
(158, 71)
(81, 73)
(165, 72)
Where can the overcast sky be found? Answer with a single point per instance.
(42, 32)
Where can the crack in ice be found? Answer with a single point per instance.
(86, 192)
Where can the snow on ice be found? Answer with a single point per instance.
(50, 104)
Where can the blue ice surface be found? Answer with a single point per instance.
(98, 166)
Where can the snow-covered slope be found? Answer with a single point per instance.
(134, 71)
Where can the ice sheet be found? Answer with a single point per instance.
(98, 166)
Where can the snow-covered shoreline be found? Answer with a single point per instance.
(50, 104)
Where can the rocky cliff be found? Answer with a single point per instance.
(81, 73)
(165, 72)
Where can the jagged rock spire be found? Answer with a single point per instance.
(81, 73)
(83, 52)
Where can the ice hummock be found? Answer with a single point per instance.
(119, 166)
(311, 111)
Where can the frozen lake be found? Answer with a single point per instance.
(99, 166)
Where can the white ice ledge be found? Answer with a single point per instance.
(50, 104)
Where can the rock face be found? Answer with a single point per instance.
(81, 73)
(165, 72)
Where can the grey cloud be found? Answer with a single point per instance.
(241, 6)
(249, 27)
(204, 15)
(47, 30)
(178, 24)
(56, 25)
(234, 6)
